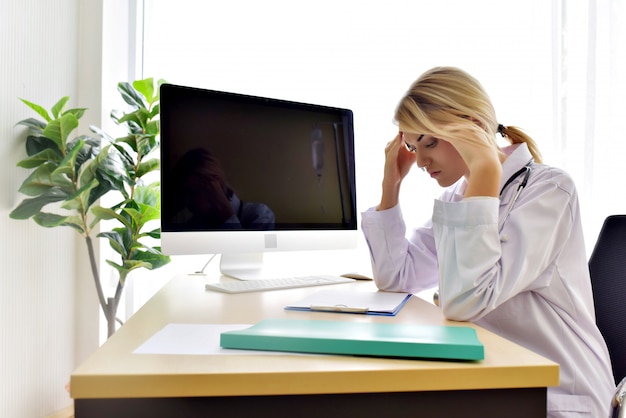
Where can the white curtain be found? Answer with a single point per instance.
(589, 89)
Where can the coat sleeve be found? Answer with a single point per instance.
(399, 264)
(480, 267)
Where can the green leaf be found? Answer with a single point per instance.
(89, 150)
(150, 214)
(145, 144)
(47, 155)
(79, 201)
(34, 125)
(58, 130)
(146, 88)
(129, 143)
(126, 152)
(137, 120)
(57, 109)
(109, 181)
(36, 144)
(135, 125)
(77, 223)
(86, 175)
(115, 241)
(143, 215)
(148, 195)
(152, 257)
(31, 207)
(131, 96)
(108, 214)
(135, 264)
(148, 166)
(40, 110)
(39, 181)
(155, 233)
(160, 261)
(127, 236)
(152, 127)
(117, 267)
(67, 167)
(77, 227)
(92, 160)
(50, 220)
(108, 170)
(78, 112)
(136, 216)
(104, 213)
(156, 110)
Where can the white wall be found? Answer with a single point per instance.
(44, 334)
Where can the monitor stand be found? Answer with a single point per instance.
(243, 266)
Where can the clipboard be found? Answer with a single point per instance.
(354, 302)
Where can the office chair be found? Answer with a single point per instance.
(607, 267)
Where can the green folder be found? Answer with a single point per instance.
(358, 338)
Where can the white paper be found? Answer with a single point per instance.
(193, 339)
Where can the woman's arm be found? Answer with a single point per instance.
(479, 267)
(398, 162)
(399, 264)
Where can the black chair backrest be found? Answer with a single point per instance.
(607, 266)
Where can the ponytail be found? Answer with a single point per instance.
(516, 136)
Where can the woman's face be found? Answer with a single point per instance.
(437, 157)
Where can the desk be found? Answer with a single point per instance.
(114, 382)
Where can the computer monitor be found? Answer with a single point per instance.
(243, 175)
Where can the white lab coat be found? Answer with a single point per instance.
(528, 283)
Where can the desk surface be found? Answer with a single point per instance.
(113, 371)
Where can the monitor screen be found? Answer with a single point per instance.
(242, 175)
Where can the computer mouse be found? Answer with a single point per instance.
(356, 276)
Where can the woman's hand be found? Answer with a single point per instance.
(481, 155)
(398, 162)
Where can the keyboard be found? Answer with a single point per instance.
(242, 286)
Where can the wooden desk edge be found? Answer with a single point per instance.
(272, 383)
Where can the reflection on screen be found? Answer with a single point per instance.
(235, 162)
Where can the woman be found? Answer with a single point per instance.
(509, 259)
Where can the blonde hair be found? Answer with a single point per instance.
(446, 95)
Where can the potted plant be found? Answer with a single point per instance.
(73, 174)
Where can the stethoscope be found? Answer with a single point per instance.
(526, 172)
